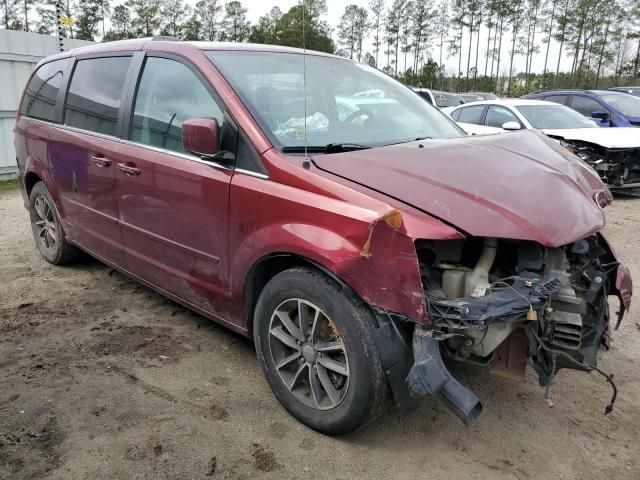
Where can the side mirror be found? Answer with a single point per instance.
(511, 126)
(200, 136)
(600, 115)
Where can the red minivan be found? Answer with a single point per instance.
(326, 210)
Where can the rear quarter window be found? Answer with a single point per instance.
(40, 96)
(93, 99)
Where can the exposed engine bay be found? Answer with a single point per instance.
(619, 168)
(508, 303)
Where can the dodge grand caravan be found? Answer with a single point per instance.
(357, 250)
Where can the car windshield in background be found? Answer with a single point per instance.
(554, 117)
(346, 102)
(447, 99)
(623, 102)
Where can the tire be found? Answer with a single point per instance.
(308, 378)
(47, 228)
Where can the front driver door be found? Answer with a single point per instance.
(173, 206)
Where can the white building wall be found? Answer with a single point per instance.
(19, 52)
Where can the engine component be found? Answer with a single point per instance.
(567, 330)
(503, 303)
(477, 281)
(453, 281)
(558, 296)
(617, 167)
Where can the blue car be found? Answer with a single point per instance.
(607, 108)
(632, 90)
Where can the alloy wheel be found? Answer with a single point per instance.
(45, 223)
(309, 354)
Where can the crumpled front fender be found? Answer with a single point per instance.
(370, 248)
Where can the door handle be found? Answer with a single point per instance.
(101, 161)
(129, 169)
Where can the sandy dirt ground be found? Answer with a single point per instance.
(103, 378)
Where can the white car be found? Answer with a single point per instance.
(613, 152)
(439, 99)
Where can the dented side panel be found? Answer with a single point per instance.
(366, 247)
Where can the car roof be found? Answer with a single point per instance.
(509, 102)
(574, 92)
(173, 45)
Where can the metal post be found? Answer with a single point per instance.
(59, 24)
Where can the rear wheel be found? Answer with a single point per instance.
(316, 348)
(47, 228)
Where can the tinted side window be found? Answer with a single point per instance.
(561, 99)
(471, 114)
(498, 116)
(94, 95)
(41, 93)
(456, 115)
(586, 106)
(168, 94)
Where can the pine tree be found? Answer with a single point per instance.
(377, 9)
(267, 30)
(146, 18)
(236, 27)
(174, 14)
(351, 30)
(208, 14)
(10, 14)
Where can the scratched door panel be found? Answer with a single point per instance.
(85, 181)
(174, 216)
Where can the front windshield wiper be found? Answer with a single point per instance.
(329, 148)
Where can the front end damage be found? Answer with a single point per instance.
(504, 304)
(619, 168)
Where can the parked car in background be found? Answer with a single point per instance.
(631, 90)
(478, 96)
(613, 152)
(439, 99)
(606, 107)
(353, 252)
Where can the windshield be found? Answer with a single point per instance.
(346, 102)
(623, 102)
(554, 117)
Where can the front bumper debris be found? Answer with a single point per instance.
(429, 376)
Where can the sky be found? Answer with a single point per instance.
(257, 8)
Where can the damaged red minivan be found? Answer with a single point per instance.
(323, 208)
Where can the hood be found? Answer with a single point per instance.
(521, 185)
(621, 137)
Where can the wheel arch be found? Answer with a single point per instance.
(268, 266)
(30, 179)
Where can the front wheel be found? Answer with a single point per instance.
(316, 348)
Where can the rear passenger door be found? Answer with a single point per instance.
(498, 115)
(83, 152)
(173, 205)
(471, 119)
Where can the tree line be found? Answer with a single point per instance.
(410, 39)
